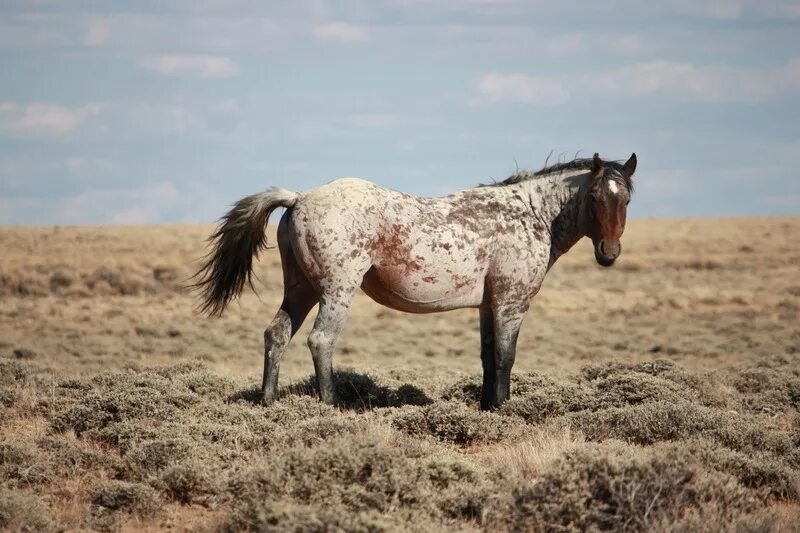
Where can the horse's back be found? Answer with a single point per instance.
(362, 205)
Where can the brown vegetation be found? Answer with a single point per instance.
(660, 395)
(145, 442)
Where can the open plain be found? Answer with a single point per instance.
(660, 394)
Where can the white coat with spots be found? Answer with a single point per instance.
(488, 247)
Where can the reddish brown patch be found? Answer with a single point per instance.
(392, 248)
(460, 281)
(610, 215)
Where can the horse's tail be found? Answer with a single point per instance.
(240, 236)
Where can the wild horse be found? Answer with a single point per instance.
(488, 247)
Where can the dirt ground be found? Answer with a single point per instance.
(700, 292)
(709, 298)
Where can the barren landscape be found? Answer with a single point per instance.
(660, 394)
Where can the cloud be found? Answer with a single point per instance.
(703, 84)
(666, 184)
(140, 206)
(43, 119)
(339, 31)
(99, 206)
(786, 201)
(98, 31)
(127, 206)
(672, 79)
(577, 43)
(373, 120)
(204, 66)
(522, 89)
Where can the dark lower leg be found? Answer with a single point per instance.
(506, 331)
(487, 359)
(505, 353)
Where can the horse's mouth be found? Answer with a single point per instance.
(605, 261)
(606, 252)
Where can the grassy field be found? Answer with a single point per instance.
(661, 394)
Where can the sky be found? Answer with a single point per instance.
(169, 111)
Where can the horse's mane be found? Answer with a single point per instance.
(611, 170)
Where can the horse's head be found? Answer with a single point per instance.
(608, 197)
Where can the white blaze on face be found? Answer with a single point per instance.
(613, 187)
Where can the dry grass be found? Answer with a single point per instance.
(659, 395)
(145, 441)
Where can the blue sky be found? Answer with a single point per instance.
(158, 111)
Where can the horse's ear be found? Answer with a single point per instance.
(630, 166)
(597, 166)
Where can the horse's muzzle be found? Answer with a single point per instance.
(606, 252)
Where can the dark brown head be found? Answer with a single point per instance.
(609, 194)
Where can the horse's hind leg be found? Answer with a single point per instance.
(298, 299)
(294, 309)
(333, 308)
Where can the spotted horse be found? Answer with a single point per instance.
(488, 247)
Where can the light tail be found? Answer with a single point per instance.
(240, 236)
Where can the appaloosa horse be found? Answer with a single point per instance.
(488, 247)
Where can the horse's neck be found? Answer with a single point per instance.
(556, 202)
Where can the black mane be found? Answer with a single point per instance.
(611, 170)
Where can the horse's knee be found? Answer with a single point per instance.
(318, 343)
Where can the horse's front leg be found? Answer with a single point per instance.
(507, 321)
(487, 357)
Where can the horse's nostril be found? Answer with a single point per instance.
(602, 248)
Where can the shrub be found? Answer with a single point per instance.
(361, 392)
(757, 470)
(465, 502)
(279, 516)
(23, 512)
(617, 390)
(7, 399)
(22, 466)
(114, 397)
(25, 353)
(60, 280)
(605, 370)
(454, 422)
(12, 372)
(191, 482)
(552, 399)
(124, 496)
(66, 457)
(767, 389)
(12, 455)
(617, 487)
(367, 471)
(446, 471)
(662, 421)
(468, 389)
(150, 457)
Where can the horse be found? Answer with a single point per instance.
(487, 247)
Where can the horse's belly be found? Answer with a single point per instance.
(421, 292)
